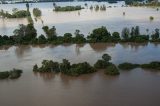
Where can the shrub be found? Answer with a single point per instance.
(112, 70)
(100, 64)
(13, 74)
(127, 66)
(37, 12)
(152, 65)
(4, 75)
(67, 8)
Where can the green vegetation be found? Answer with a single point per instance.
(24, 34)
(30, 20)
(103, 63)
(27, 34)
(68, 8)
(112, 70)
(19, 14)
(96, 7)
(37, 12)
(152, 65)
(127, 66)
(77, 69)
(150, 3)
(151, 18)
(103, 8)
(15, 14)
(4, 75)
(91, 7)
(155, 36)
(155, 65)
(65, 67)
(99, 35)
(13, 74)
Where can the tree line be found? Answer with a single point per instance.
(154, 65)
(77, 69)
(65, 67)
(67, 8)
(27, 34)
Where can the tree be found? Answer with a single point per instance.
(100, 64)
(155, 36)
(25, 33)
(51, 33)
(79, 38)
(14, 10)
(65, 66)
(99, 35)
(37, 12)
(27, 6)
(112, 70)
(35, 68)
(67, 37)
(137, 33)
(115, 36)
(127, 66)
(106, 57)
(133, 32)
(42, 39)
(125, 33)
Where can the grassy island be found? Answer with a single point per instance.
(67, 8)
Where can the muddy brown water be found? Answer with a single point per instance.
(131, 88)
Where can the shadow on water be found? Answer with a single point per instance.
(67, 80)
(100, 47)
(134, 46)
(78, 46)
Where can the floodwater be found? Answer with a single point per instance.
(131, 88)
(85, 20)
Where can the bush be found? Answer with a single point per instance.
(80, 68)
(16, 14)
(152, 65)
(112, 70)
(151, 18)
(37, 12)
(4, 75)
(100, 64)
(13, 74)
(67, 8)
(64, 67)
(127, 66)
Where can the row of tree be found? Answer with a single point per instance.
(85, 68)
(77, 69)
(97, 7)
(67, 8)
(155, 65)
(16, 14)
(27, 34)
